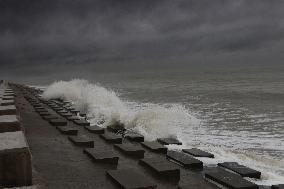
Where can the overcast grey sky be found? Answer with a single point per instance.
(38, 37)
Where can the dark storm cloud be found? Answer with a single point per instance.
(95, 31)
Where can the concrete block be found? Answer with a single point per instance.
(62, 112)
(68, 130)
(52, 105)
(72, 118)
(155, 147)
(184, 160)
(82, 122)
(74, 111)
(15, 160)
(102, 156)
(112, 138)
(8, 98)
(68, 114)
(196, 183)
(167, 141)
(82, 141)
(36, 105)
(7, 102)
(44, 113)
(57, 109)
(41, 110)
(9, 91)
(8, 94)
(58, 122)
(130, 179)
(50, 117)
(9, 123)
(198, 153)
(241, 169)
(228, 179)
(8, 110)
(131, 150)
(134, 137)
(161, 167)
(95, 129)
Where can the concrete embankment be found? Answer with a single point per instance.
(69, 153)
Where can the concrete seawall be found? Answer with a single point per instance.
(64, 151)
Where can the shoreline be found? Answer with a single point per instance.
(59, 158)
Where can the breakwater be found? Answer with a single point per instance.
(69, 153)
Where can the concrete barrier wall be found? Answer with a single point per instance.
(15, 157)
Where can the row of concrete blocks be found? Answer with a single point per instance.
(15, 157)
(162, 167)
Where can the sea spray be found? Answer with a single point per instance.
(104, 107)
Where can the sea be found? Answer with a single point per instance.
(235, 113)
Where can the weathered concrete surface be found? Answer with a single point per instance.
(67, 130)
(50, 117)
(131, 150)
(60, 164)
(62, 112)
(198, 153)
(130, 179)
(81, 141)
(15, 160)
(228, 179)
(9, 123)
(44, 113)
(195, 181)
(57, 109)
(7, 102)
(66, 115)
(95, 129)
(58, 122)
(71, 118)
(41, 110)
(155, 147)
(112, 138)
(241, 169)
(102, 156)
(8, 110)
(81, 122)
(8, 97)
(184, 160)
(162, 167)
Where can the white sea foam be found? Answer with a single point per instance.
(164, 120)
(99, 103)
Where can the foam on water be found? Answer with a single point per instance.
(104, 107)
(99, 103)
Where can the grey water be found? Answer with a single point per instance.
(241, 110)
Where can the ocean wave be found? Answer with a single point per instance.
(104, 107)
